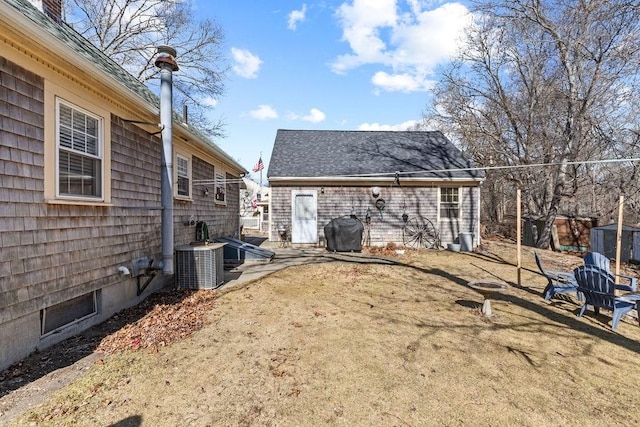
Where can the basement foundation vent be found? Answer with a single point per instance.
(68, 312)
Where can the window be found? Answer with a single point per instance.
(182, 170)
(68, 312)
(449, 203)
(305, 206)
(79, 148)
(221, 188)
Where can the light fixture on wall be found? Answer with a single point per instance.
(206, 191)
(321, 190)
(375, 192)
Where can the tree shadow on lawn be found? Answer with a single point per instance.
(554, 316)
(570, 321)
(67, 352)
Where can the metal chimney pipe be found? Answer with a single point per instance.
(167, 64)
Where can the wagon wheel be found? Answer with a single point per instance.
(419, 233)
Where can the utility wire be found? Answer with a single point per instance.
(396, 174)
(485, 168)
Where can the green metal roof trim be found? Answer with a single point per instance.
(80, 45)
(83, 47)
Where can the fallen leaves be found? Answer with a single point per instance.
(160, 320)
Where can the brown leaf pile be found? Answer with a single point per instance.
(388, 250)
(160, 320)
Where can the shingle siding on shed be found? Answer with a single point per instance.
(338, 201)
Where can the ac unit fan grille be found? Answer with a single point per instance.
(199, 268)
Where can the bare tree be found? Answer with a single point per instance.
(129, 31)
(544, 82)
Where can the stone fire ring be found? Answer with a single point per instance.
(487, 289)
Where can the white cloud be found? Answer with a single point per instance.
(212, 102)
(408, 125)
(400, 82)
(296, 16)
(264, 112)
(361, 24)
(246, 64)
(408, 38)
(314, 116)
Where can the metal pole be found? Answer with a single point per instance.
(167, 64)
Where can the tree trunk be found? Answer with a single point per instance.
(544, 237)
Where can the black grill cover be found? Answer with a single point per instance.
(344, 234)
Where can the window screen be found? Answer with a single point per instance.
(182, 169)
(79, 152)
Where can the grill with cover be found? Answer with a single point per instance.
(344, 234)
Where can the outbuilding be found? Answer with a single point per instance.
(391, 181)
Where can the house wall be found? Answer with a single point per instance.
(222, 219)
(386, 226)
(52, 252)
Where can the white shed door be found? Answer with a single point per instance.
(304, 218)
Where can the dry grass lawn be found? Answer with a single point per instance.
(373, 343)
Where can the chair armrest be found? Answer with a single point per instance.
(632, 283)
(561, 276)
(634, 297)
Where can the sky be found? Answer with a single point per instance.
(333, 65)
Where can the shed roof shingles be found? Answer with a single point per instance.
(327, 153)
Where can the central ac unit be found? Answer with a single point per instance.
(199, 267)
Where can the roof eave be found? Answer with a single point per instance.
(355, 180)
(22, 24)
(57, 47)
(206, 146)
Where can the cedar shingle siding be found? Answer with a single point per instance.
(21, 211)
(385, 227)
(58, 251)
(342, 167)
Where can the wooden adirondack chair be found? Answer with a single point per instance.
(559, 282)
(598, 287)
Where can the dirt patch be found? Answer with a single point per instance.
(356, 342)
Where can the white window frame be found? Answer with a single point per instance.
(448, 204)
(220, 189)
(98, 156)
(181, 157)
